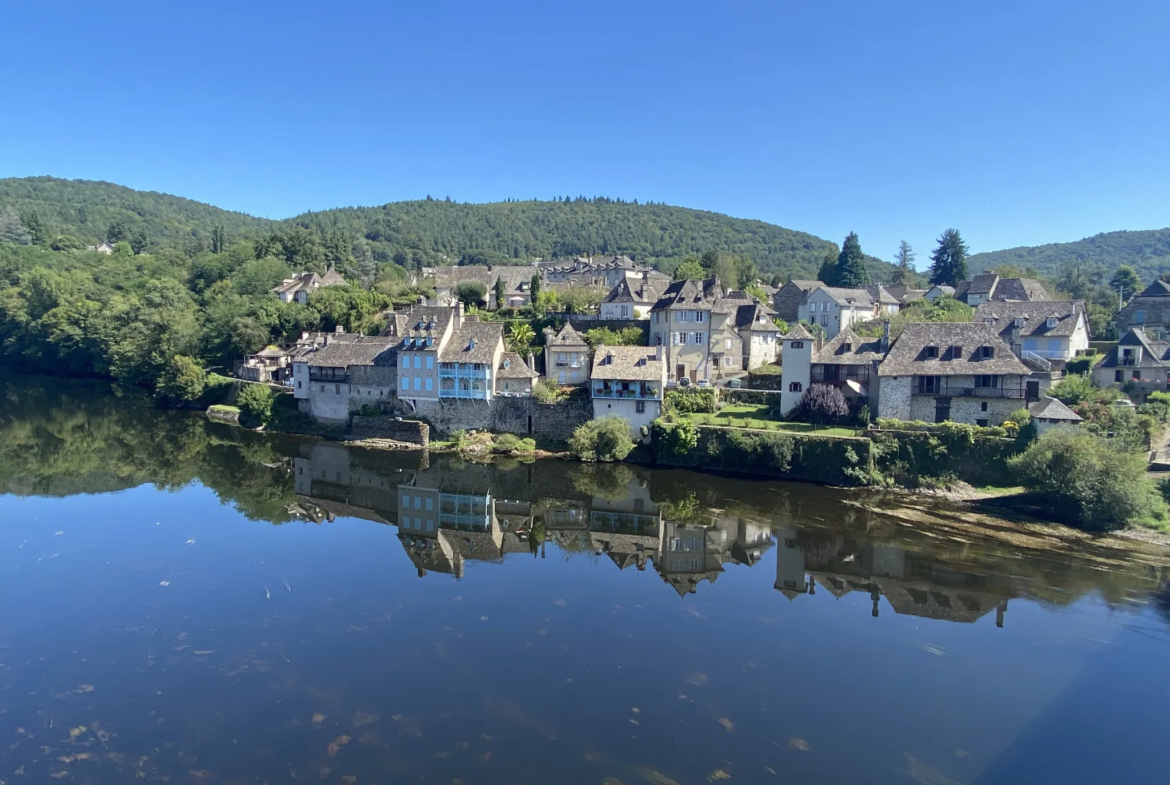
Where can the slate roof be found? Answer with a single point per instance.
(1020, 289)
(622, 293)
(627, 363)
(755, 317)
(449, 277)
(1052, 409)
(843, 296)
(517, 280)
(512, 366)
(861, 351)
(1155, 354)
(690, 295)
(420, 318)
(882, 295)
(945, 289)
(798, 333)
(731, 301)
(983, 283)
(1002, 315)
(332, 278)
(1158, 288)
(475, 342)
(297, 283)
(365, 350)
(568, 337)
(906, 356)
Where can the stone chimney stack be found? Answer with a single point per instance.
(458, 318)
(885, 343)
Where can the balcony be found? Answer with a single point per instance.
(474, 388)
(943, 388)
(463, 371)
(633, 391)
(839, 374)
(322, 374)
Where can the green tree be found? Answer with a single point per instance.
(255, 400)
(689, 270)
(534, 286)
(903, 263)
(116, 232)
(67, 242)
(823, 403)
(1103, 486)
(851, 270)
(471, 293)
(1125, 282)
(38, 233)
(183, 379)
(1073, 389)
(948, 263)
(520, 337)
(581, 300)
(218, 238)
(257, 277)
(501, 294)
(605, 439)
(12, 229)
(827, 274)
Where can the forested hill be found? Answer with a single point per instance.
(86, 209)
(1148, 252)
(429, 231)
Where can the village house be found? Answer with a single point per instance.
(632, 298)
(300, 286)
(269, 365)
(344, 373)
(444, 352)
(1149, 312)
(602, 272)
(789, 297)
(1052, 330)
(1049, 413)
(566, 356)
(937, 292)
(989, 286)
(629, 382)
(759, 335)
(798, 348)
(962, 372)
(448, 278)
(834, 308)
(515, 376)
(681, 321)
(103, 247)
(1138, 364)
(849, 362)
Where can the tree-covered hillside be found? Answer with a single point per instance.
(420, 232)
(86, 209)
(1148, 252)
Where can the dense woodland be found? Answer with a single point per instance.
(1099, 256)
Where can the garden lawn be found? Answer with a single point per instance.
(755, 416)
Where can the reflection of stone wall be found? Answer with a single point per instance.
(409, 431)
(522, 416)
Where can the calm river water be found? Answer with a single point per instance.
(189, 603)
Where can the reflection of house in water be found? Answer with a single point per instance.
(627, 529)
(330, 484)
(689, 553)
(913, 583)
(441, 529)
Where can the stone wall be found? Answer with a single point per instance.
(966, 410)
(895, 398)
(409, 431)
(521, 416)
(765, 397)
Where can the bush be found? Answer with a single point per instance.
(1157, 405)
(603, 336)
(691, 401)
(1073, 389)
(547, 391)
(255, 400)
(183, 379)
(604, 439)
(680, 438)
(507, 443)
(471, 293)
(822, 403)
(1104, 486)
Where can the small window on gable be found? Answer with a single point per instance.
(1018, 322)
(846, 347)
(956, 352)
(798, 344)
(986, 352)
(930, 352)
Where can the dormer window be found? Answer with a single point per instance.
(1050, 322)
(930, 352)
(797, 345)
(471, 344)
(956, 352)
(990, 322)
(846, 347)
(986, 352)
(1018, 322)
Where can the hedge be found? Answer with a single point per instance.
(692, 400)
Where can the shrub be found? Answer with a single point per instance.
(255, 400)
(1103, 485)
(547, 391)
(691, 401)
(604, 439)
(680, 438)
(603, 336)
(183, 379)
(1157, 405)
(822, 403)
(1073, 389)
(471, 293)
(508, 443)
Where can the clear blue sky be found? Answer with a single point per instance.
(1017, 122)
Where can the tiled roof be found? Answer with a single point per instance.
(299, 282)
(690, 295)
(366, 350)
(755, 318)
(882, 295)
(907, 354)
(622, 293)
(475, 342)
(860, 351)
(1052, 409)
(849, 296)
(332, 278)
(1026, 289)
(1002, 316)
(983, 284)
(451, 276)
(512, 366)
(627, 363)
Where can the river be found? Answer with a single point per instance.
(188, 602)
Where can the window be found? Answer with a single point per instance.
(1139, 317)
(298, 384)
(430, 524)
(418, 502)
(824, 321)
(981, 423)
(405, 383)
(956, 352)
(1137, 376)
(405, 361)
(986, 352)
(700, 316)
(1118, 376)
(930, 352)
(430, 363)
(1018, 322)
(405, 502)
(1051, 322)
(846, 347)
(987, 381)
(697, 339)
(727, 345)
(657, 339)
(797, 345)
(929, 385)
(430, 503)
(795, 387)
(640, 407)
(983, 406)
(430, 384)
(417, 383)
(680, 339)
(417, 362)
(337, 389)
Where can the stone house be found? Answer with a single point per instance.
(602, 272)
(937, 292)
(850, 362)
(962, 372)
(759, 335)
(989, 286)
(448, 278)
(270, 365)
(1052, 330)
(1049, 413)
(515, 377)
(629, 382)
(1149, 311)
(423, 333)
(344, 373)
(300, 286)
(789, 297)
(1138, 363)
(681, 322)
(632, 298)
(470, 359)
(566, 356)
(516, 283)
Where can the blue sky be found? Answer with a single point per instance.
(1019, 123)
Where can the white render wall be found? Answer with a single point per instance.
(762, 349)
(797, 367)
(621, 407)
(329, 402)
(300, 381)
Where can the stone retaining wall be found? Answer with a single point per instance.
(408, 431)
(521, 416)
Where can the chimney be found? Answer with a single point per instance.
(658, 352)
(458, 317)
(531, 361)
(885, 344)
(420, 300)
(339, 329)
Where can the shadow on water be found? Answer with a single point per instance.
(572, 660)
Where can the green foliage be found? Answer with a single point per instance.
(690, 270)
(1092, 259)
(948, 263)
(471, 293)
(1125, 282)
(1073, 389)
(1103, 486)
(519, 337)
(604, 336)
(183, 379)
(690, 400)
(12, 229)
(1081, 366)
(1157, 405)
(823, 403)
(547, 391)
(903, 270)
(510, 444)
(605, 439)
(678, 438)
(581, 300)
(945, 309)
(851, 271)
(255, 400)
